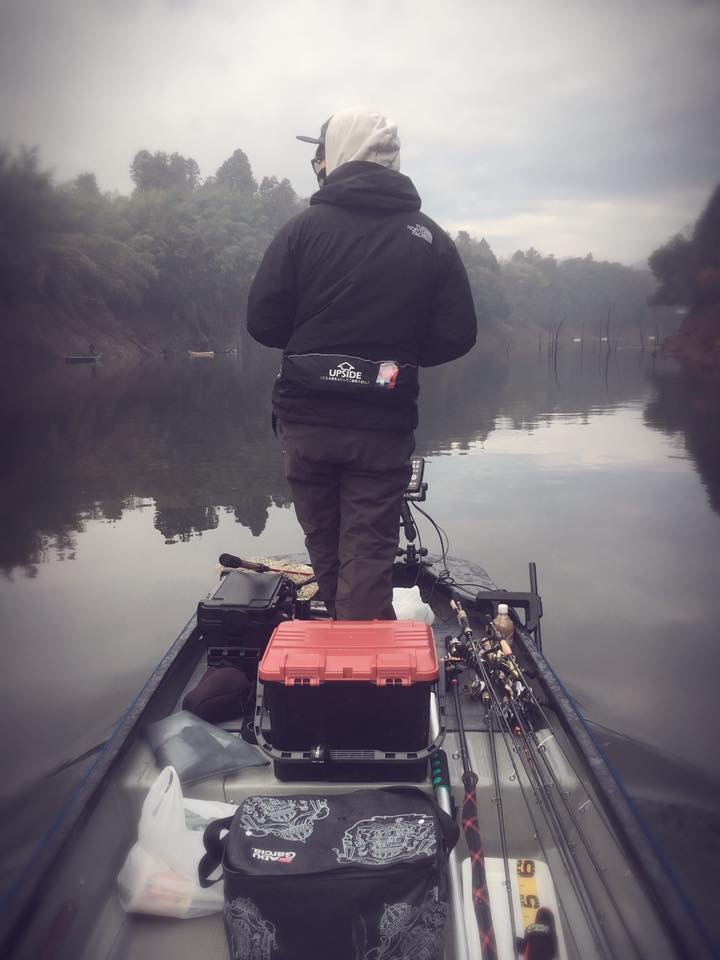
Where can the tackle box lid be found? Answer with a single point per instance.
(384, 652)
(241, 588)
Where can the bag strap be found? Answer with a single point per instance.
(215, 848)
(448, 827)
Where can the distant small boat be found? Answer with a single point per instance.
(202, 354)
(93, 358)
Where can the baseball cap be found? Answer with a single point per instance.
(318, 140)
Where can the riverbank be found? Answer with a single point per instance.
(39, 335)
(697, 343)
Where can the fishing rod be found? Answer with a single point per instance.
(466, 632)
(441, 788)
(517, 710)
(228, 561)
(473, 837)
(536, 752)
(470, 821)
(508, 714)
(501, 680)
(494, 665)
(529, 736)
(539, 941)
(508, 697)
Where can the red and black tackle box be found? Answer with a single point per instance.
(349, 700)
(244, 608)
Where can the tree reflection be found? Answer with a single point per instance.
(193, 440)
(690, 406)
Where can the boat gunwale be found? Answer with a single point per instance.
(19, 902)
(673, 908)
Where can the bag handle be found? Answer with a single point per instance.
(215, 848)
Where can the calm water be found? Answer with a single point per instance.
(121, 487)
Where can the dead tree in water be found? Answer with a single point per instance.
(638, 314)
(607, 327)
(555, 344)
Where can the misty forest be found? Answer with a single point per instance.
(168, 267)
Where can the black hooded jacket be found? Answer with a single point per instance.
(358, 278)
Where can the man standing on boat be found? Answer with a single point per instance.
(358, 290)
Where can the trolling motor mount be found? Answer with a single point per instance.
(415, 492)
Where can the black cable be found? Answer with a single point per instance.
(442, 536)
(446, 576)
(419, 536)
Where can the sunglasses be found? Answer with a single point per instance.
(319, 159)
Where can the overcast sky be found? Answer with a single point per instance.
(569, 125)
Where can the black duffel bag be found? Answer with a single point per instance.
(354, 876)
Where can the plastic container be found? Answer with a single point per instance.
(345, 692)
(244, 608)
(505, 626)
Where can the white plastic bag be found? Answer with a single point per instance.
(159, 875)
(409, 605)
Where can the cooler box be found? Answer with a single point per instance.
(349, 700)
(244, 609)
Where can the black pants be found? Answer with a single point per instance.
(347, 486)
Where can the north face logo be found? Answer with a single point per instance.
(345, 371)
(417, 230)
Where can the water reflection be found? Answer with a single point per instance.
(194, 439)
(690, 408)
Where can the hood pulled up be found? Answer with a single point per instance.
(358, 133)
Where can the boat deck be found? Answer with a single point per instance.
(110, 934)
(602, 907)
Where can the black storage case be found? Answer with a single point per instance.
(349, 732)
(308, 877)
(351, 723)
(245, 607)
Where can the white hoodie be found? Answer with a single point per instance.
(358, 133)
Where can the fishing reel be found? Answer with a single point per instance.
(496, 679)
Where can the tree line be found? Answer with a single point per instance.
(183, 250)
(687, 267)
